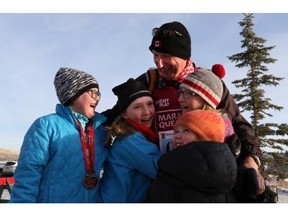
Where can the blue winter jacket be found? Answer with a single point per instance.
(51, 163)
(131, 165)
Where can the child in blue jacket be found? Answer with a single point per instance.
(133, 155)
(62, 154)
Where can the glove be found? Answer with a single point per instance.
(247, 184)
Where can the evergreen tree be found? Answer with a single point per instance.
(255, 57)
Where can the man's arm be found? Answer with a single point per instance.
(244, 130)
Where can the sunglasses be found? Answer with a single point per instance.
(167, 33)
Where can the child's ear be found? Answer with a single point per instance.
(124, 115)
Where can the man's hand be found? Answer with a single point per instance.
(249, 162)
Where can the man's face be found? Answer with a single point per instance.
(168, 66)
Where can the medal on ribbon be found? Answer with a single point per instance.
(90, 180)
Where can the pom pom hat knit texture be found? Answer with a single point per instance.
(208, 125)
(218, 70)
(205, 84)
(71, 83)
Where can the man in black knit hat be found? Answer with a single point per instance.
(171, 49)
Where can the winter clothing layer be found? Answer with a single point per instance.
(51, 164)
(129, 91)
(247, 187)
(70, 83)
(205, 84)
(198, 172)
(172, 38)
(167, 111)
(131, 165)
(244, 130)
(208, 125)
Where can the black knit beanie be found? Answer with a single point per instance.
(128, 92)
(177, 42)
(71, 83)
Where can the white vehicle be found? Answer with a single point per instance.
(9, 168)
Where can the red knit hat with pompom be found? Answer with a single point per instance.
(218, 70)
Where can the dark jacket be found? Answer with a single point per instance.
(198, 172)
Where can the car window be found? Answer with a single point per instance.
(10, 163)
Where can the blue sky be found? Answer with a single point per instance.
(114, 47)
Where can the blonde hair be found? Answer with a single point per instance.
(206, 106)
(119, 129)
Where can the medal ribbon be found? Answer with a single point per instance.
(87, 145)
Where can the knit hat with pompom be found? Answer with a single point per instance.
(205, 84)
(218, 70)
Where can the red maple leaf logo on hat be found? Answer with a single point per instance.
(157, 43)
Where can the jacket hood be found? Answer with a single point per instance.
(206, 166)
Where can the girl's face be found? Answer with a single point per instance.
(183, 135)
(168, 66)
(189, 100)
(141, 111)
(87, 102)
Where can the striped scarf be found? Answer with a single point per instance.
(189, 68)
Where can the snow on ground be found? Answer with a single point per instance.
(282, 195)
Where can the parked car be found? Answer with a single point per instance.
(9, 168)
(2, 163)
